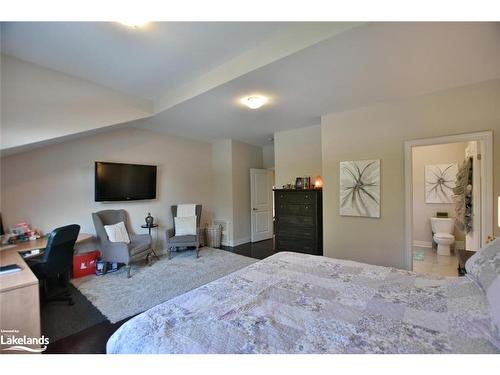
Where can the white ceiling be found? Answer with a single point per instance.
(144, 62)
(373, 63)
(359, 66)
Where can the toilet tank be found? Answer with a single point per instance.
(442, 224)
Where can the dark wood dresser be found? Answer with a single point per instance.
(299, 221)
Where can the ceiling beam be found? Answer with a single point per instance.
(291, 40)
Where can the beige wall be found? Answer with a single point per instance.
(268, 156)
(54, 186)
(422, 212)
(222, 164)
(245, 156)
(297, 154)
(379, 132)
(231, 162)
(39, 104)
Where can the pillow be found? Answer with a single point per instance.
(185, 225)
(117, 232)
(493, 297)
(484, 269)
(484, 266)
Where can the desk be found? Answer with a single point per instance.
(19, 298)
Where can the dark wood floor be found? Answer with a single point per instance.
(93, 340)
(257, 250)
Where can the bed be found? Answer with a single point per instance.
(298, 303)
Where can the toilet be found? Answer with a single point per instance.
(443, 228)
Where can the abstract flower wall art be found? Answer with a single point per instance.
(360, 188)
(439, 182)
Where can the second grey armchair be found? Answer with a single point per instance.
(174, 242)
(120, 252)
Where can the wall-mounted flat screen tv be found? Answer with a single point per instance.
(124, 182)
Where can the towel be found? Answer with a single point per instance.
(186, 210)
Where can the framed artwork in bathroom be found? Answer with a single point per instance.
(360, 188)
(439, 182)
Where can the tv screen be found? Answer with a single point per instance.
(124, 182)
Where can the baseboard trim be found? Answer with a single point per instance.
(422, 244)
(240, 241)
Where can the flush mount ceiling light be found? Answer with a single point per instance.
(254, 101)
(136, 24)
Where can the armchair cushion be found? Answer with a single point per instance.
(139, 243)
(183, 239)
(117, 232)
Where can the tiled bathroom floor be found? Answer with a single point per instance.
(434, 264)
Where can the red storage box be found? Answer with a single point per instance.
(84, 264)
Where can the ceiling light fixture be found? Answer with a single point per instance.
(134, 23)
(254, 101)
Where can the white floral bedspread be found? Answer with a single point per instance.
(296, 303)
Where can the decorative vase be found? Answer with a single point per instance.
(149, 219)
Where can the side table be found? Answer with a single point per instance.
(149, 227)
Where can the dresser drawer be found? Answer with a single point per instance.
(295, 209)
(301, 221)
(295, 232)
(295, 197)
(308, 247)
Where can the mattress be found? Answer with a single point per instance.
(298, 303)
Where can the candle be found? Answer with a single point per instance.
(318, 182)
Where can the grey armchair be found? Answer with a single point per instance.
(120, 252)
(174, 242)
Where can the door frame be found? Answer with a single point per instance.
(486, 140)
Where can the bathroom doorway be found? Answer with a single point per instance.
(448, 187)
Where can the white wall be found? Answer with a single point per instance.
(422, 212)
(53, 186)
(297, 154)
(379, 132)
(40, 104)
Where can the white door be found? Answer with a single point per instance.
(261, 192)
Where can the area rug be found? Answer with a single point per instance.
(118, 297)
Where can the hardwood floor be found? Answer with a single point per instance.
(257, 250)
(93, 340)
(89, 341)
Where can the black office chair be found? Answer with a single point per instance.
(56, 261)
